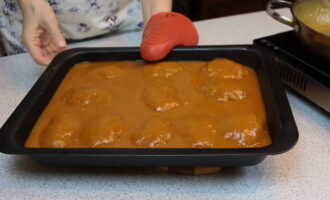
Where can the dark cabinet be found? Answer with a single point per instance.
(206, 9)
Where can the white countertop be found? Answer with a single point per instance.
(302, 173)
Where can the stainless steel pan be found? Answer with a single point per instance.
(313, 39)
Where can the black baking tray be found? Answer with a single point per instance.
(281, 124)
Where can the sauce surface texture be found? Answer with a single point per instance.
(128, 104)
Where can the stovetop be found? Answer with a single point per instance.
(299, 67)
(287, 46)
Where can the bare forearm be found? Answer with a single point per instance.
(151, 7)
(29, 6)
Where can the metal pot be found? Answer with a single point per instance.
(313, 39)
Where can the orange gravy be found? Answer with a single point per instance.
(128, 104)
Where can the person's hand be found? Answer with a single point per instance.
(41, 33)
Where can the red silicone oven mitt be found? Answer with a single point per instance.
(163, 32)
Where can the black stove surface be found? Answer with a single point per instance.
(287, 46)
